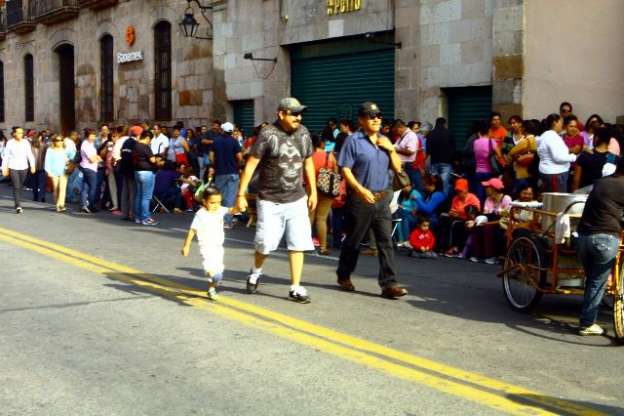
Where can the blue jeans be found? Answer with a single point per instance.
(443, 170)
(89, 188)
(407, 224)
(228, 186)
(414, 175)
(144, 191)
(597, 254)
(204, 162)
(39, 185)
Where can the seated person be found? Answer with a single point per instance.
(407, 213)
(166, 188)
(422, 240)
(188, 184)
(452, 233)
(432, 201)
(488, 236)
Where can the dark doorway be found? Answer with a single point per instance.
(67, 88)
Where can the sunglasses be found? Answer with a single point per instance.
(373, 116)
(295, 113)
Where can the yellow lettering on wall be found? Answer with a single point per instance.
(357, 5)
(335, 7)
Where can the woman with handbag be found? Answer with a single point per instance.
(487, 159)
(328, 186)
(523, 156)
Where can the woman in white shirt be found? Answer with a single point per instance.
(18, 157)
(555, 157)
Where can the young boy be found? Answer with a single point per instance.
(422, 240)
(208, 226)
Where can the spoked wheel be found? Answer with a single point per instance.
(618, 308)
(523, 273)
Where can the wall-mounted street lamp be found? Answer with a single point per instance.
(250, 57)
(371, 38)
(189, 24)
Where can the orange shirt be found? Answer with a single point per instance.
(459, 206)
(498, 134)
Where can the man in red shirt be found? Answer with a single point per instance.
(497, 131)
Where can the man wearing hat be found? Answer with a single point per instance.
(367, 159)
(281, 153)
(225, 156)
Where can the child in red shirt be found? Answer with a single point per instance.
(422, 240)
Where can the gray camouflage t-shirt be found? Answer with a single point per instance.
(281, 166)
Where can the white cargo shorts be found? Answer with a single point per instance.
(278, 220)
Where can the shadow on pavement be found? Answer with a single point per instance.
(583, 407)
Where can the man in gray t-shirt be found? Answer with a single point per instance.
(282, 153)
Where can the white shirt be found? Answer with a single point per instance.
(117, 148)
(209, 227)
(159, 144)
(554, 155)
(70, 147)
(409, 141)
(18, 155)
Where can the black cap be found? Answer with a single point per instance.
(369, 108)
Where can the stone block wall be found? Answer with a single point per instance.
(192, 74)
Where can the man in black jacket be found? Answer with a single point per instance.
(440, 149)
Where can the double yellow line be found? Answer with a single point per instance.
(477, 388)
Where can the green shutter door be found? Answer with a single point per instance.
(333, 78)
(244, 115)
(466, 105)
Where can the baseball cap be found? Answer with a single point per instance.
(495, 183)
(369, 108)
(461, 184)
(227, 127)
(291, 104)
(136, 131)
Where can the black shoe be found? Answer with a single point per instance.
(300, 295)
(252, 287)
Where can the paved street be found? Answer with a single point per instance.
(100, 317)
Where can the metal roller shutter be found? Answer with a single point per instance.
(333, 78)
(466, 105)
(244, 115)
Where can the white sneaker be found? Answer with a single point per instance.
(212, 294)
(491, 260)
(593, 329)
(252, 282)
(299, 294)
(474, 259)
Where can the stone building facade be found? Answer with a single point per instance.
(441, 57)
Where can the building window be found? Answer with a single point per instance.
(106, 79)
(162, 75)
(1, 92)
(29, 88)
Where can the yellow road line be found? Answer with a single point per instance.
(352, 348)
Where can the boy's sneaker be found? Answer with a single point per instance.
(491, 260)
(86, 209)
(474, 259)
(212, 294)
(252, 282)
(18, 210)
(299, 295)
(137, 221)
(149, 222)
(593, 329)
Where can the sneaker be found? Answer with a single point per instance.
(138, 221)
(86, 209)
(18, 210)
(460, 256)
(474, 259)
(212, 294)
(252, 282)
(299, 295)
(149, 222)
(491, 260)
(593, 329)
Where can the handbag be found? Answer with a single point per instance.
(328, 181)
(526, 159)
(497, 167)
(400, 180)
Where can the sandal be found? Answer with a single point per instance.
(452, 252)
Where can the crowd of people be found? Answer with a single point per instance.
(377, 183)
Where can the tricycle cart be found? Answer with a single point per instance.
(537, 264)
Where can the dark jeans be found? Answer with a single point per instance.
(480, 189)
(451, 233)
(17, 179)
(337, 225)
(39, 185)
(89, 188)
(101, 176)
(361, 216)
(597, 254)
(555, 183)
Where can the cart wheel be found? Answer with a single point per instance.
(618, 309)
(524, 275)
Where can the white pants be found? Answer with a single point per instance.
(212, 259)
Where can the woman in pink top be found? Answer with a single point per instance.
(487, 237)
(483, 147)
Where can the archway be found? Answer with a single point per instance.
(67, 109)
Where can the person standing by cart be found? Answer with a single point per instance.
(599, 238)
